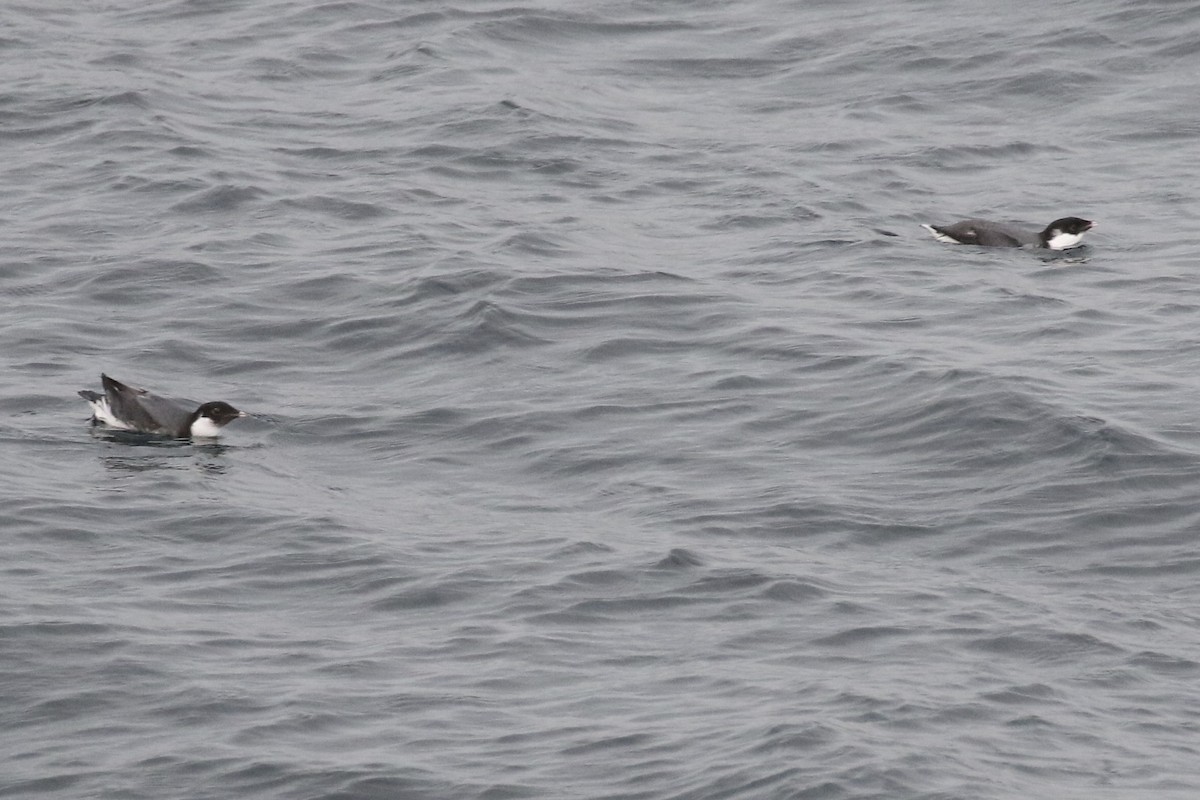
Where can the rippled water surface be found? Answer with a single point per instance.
(617, 432)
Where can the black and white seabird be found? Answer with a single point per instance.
(126, 408)
(1061, 234)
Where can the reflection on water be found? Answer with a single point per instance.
(141, 452)
(1076, 255)
(143, 464)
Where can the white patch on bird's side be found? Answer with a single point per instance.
(941, 237)
(102, 413)
(205, 428)
(1063, 241)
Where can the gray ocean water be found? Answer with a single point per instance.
(617, 432)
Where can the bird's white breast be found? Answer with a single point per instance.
(204, 428)
(1063, 241)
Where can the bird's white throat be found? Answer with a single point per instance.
(1063, 241)
(205, 428)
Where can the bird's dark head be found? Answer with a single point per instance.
(211, 417)
(1066, 232)
(1072, 224)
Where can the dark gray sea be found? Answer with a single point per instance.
(616, 430)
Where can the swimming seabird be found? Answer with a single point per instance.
(1058, 235)
(130, 409)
